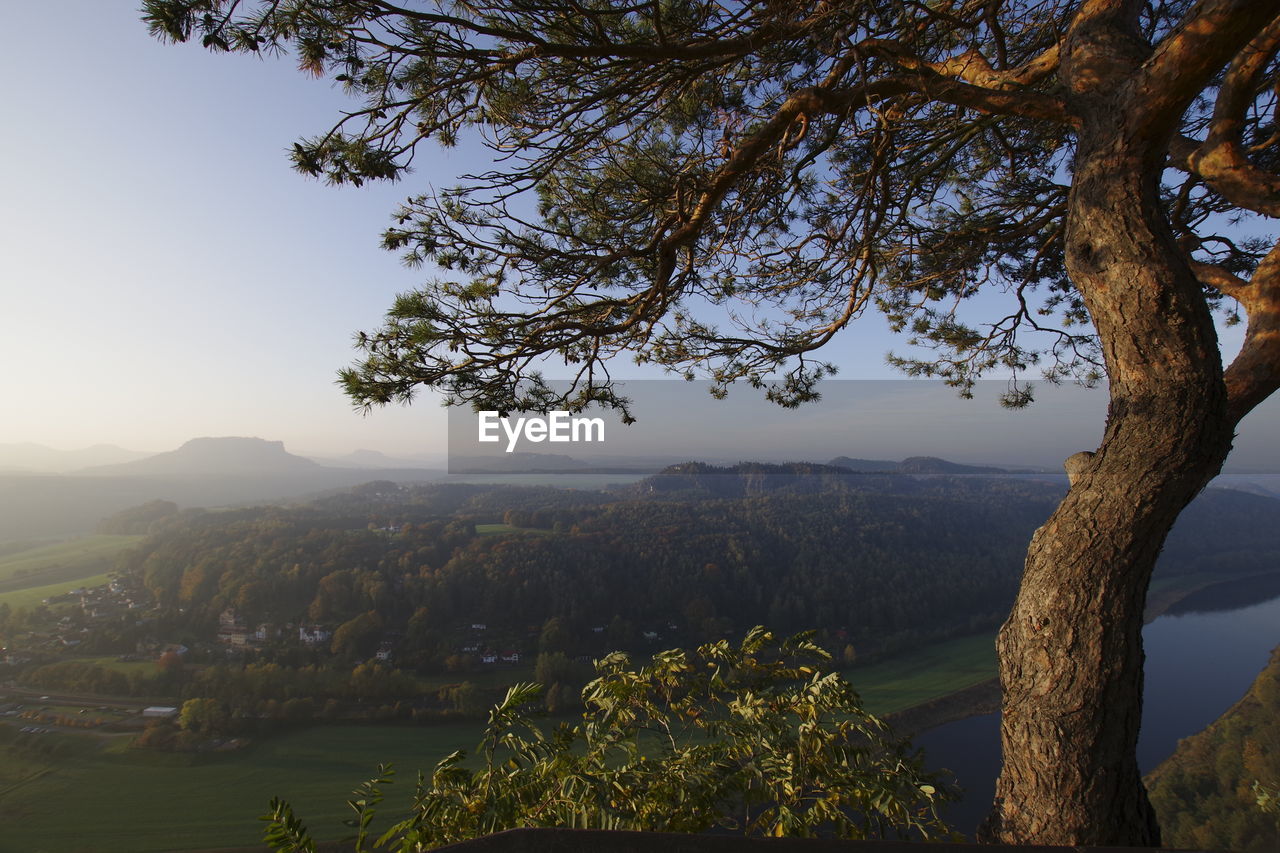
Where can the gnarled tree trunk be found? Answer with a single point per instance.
(1071, 651)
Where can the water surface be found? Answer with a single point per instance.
(1201, 658)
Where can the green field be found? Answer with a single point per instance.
(126, 800)
(36, 594)
(502, 529)
(116, 799)
(50, 565)
(926, 673)
(31, 575)
(144, 667)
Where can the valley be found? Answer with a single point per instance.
(375, 624)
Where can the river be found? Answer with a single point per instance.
(1202, 655)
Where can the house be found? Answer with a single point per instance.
(313, 635)
(159, 712)
(232, 629)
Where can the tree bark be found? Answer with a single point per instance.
(1071, 660)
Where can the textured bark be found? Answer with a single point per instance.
(1071, 651)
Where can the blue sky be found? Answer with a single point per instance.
(165, 274)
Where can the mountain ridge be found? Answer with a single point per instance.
(32, 457)
(213, 456)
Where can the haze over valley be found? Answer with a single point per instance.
(875, 400)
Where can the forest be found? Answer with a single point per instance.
(1209, 793)
(879, 562)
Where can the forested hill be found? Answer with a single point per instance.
(1204, 793)
(878, 561)
(917, 475)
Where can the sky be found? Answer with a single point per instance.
(164, 273)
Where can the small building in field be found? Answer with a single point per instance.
(159, 712)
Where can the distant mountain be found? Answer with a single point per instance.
(934, 465)
(914, 475)
(863, 464)
(203, 472)
(29, 456)
(698, 479)
(1269, 487)
(918, 465)
(218, 457)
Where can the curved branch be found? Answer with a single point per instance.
(1184, 63)
(972, 67)
(1255, 373)
(1221, 159)
(1222, 280)
(968, 80)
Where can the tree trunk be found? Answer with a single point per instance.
(1071, 651)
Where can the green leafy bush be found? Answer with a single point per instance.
(753, 738)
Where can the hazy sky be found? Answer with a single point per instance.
(164, 274)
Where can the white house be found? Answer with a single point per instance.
(159, 712)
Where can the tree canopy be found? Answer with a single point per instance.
(721, 188)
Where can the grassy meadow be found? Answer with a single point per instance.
(34, 595)
(926, 673)
(64, 561)
(30, 575)
(108, 798)
(94, 794)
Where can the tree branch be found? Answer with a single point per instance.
(968, 80)
(1184, 63)
(972, 67)
(1255, 373)
(1222, 280)
(1221, 159)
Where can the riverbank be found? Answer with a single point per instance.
(1201, 656)
(984, 697)
(1167, 593)
(1204, 792)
